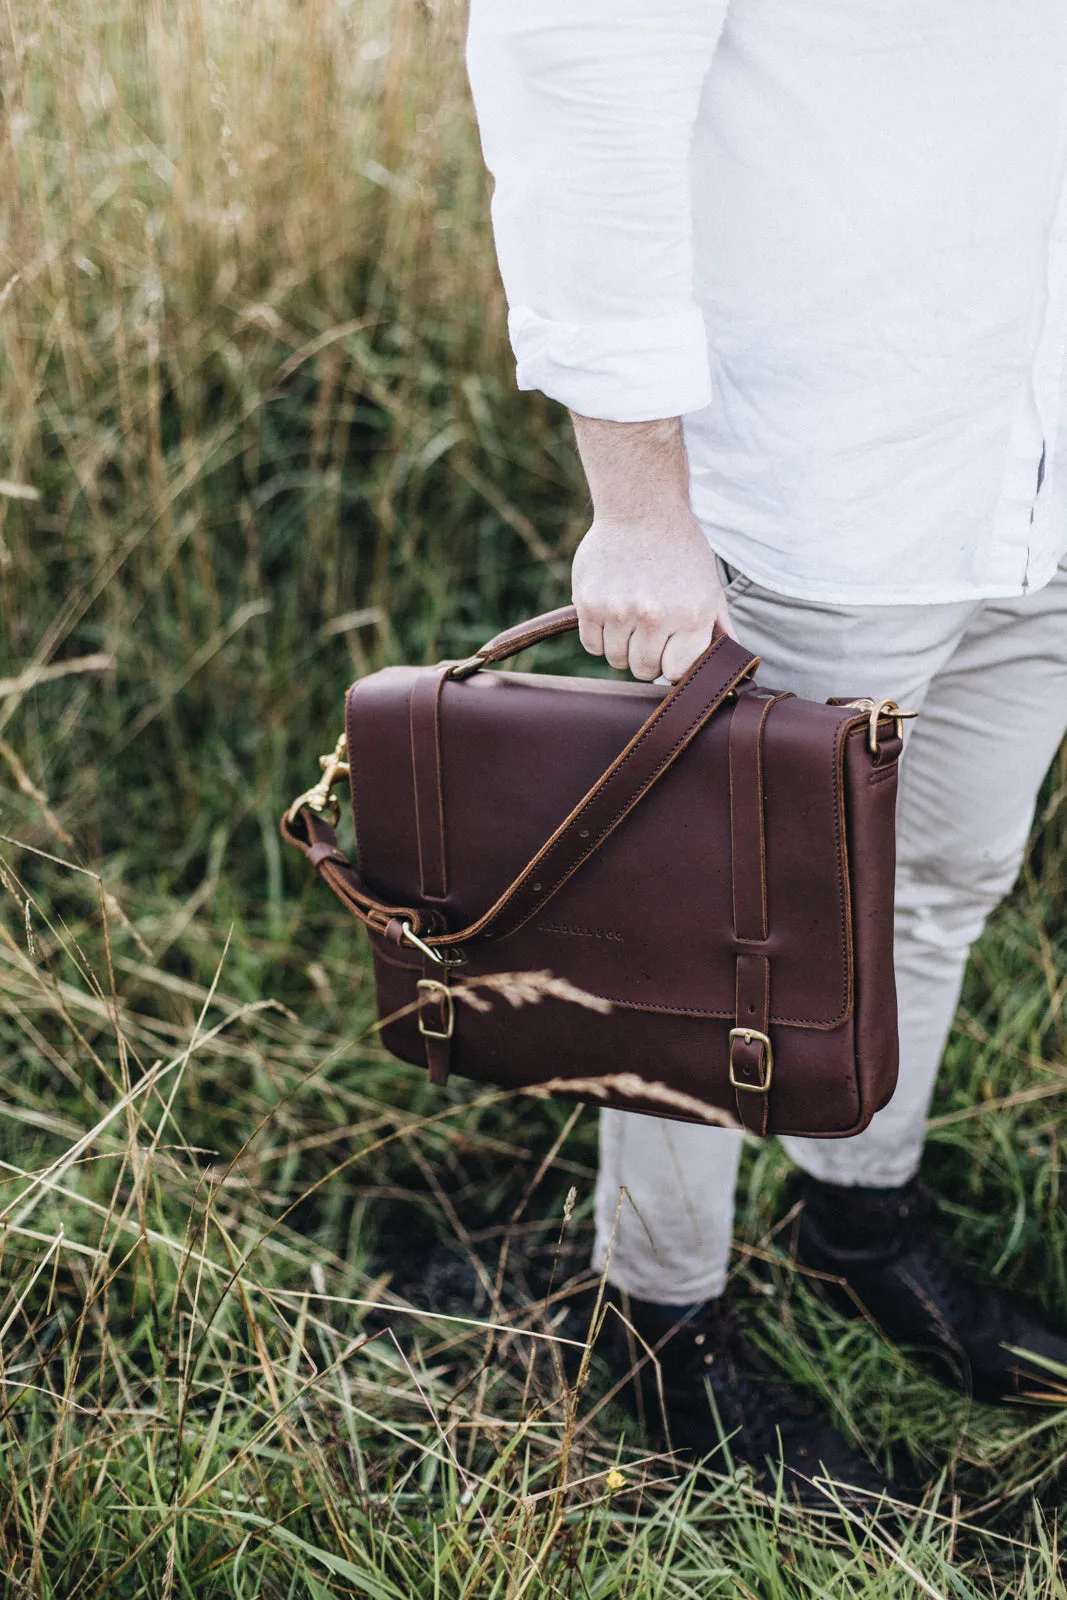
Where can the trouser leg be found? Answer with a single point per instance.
(670, 1239)
(664, 1206)
(992, 721)
(991, 681)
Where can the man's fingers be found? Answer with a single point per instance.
(591, 634)
(681, 650)
(646, 648)
(617, 643)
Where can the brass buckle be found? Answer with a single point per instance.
(440, 991)
(748, 1034)
(320, 798)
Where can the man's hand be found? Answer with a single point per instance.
(644, 580)
(648, 593)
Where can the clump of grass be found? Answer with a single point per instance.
(273, 1315)
(276, 1319)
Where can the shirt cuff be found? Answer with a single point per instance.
(632, 371)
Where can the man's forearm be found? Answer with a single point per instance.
(644, 581)
(634, 469)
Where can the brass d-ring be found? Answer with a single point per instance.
(886, 708)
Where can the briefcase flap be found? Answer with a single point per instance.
(648, 920)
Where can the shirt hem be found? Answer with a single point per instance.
(794, 586)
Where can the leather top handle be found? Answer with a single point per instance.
(656, 745)
(512, 640)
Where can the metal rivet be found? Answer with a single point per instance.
(701, 1338)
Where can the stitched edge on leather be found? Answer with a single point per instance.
(768, 703)
(523, 636)
(725, 1014)
(415, 787)
(696, 1012)
(350, 728)
(438, 784)
(439, 773)
(877, 776)
(844, 887)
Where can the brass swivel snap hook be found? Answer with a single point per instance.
(320, 798)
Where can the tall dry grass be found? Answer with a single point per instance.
(239, 245)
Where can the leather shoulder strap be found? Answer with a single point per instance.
(655, 747)
(680, 715)
(424, 715)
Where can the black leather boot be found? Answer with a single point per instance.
(881, 1246)
(721, 1398)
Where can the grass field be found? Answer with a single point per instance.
(266, 1325)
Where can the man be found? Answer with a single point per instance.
(799, 271)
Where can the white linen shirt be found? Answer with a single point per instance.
(830, 234)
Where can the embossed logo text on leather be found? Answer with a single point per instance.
(580, 933)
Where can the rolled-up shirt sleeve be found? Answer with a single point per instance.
(586, 110)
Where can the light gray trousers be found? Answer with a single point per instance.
(990, 679)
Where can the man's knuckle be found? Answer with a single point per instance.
(677, 659)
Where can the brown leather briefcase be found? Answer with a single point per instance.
(692, 888)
